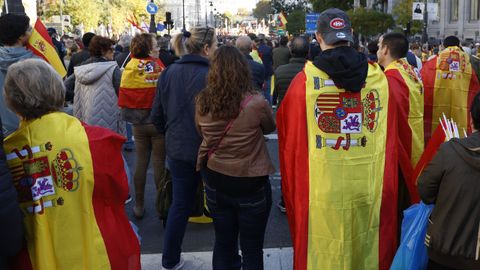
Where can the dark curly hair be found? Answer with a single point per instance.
(142, 45)
(99, 45)
(229, 80)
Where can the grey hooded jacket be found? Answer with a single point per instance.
(9, 56)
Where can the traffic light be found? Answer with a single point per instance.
(168, 22)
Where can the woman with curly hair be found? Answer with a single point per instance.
(232, 119)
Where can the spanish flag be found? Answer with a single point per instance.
(407, 91)
(41, 45)
(450, 85)
(282, 20)
(139, 83)
(71, 187)
(339, 171)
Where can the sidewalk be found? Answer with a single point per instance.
(274, 259)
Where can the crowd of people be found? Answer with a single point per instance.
(352, 124)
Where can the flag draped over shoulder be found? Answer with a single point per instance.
(407, 90)
(339, 171)
(72, 195)
(139, 82)
(41, 45)
(450, 84)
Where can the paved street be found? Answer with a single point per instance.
(200, 237)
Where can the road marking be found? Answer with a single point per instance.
(274, 259)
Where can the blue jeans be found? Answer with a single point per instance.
(266, 91)
(244, 215)
(185, 180)
(129, 144)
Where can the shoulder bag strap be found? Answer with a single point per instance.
(245, 101)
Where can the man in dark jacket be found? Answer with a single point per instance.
(61, 51)
(452, 182)
(244, 44)
(267, 58)
(11, 225)
(124, 57)
(81, 56)
(285, 74)
(14, 6)
(281, 55)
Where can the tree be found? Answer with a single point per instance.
(288, 6)
(296, 22)
(369, 22)
(321, 5)
(402, 12)
(91, 13)
(262, 10)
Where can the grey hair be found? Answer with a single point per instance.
(125, 40)
(33, 88)
(244, 44)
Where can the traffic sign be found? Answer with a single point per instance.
(160, 27)
(311, 22)
(152, 8)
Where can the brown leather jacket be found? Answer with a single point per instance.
(242, 152)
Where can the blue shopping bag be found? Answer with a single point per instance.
(412, 252)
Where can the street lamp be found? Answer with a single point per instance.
(425, 23)
(183, 6)
(153, 27)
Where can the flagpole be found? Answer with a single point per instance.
(5, 3)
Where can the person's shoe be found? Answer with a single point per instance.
(281, 206)
(179, 265)
(129, 199)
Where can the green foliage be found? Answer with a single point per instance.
(321, 5)
(262, 10)
(402, 12)
(289, 6)
(296, 22)
(369, 22)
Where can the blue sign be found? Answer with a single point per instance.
(311, 22)
(152, 8)
(160, 27)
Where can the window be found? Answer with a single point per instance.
(453, 10)
(474, 10)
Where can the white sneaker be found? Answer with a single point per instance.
(179, 265)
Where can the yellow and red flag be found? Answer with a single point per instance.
(282, 20)
(407, 90)
(41, 45)
(139, 83)
(450, 85)
(72, 193)
(339, 171)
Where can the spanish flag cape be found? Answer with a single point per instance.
(407, 90)
(450, 85)
(339, 171)
(139, 83)
(71, 187)
(41, 45)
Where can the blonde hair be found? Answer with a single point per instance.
(33, 88)
(194, 41)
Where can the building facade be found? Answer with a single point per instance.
(460, 18)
